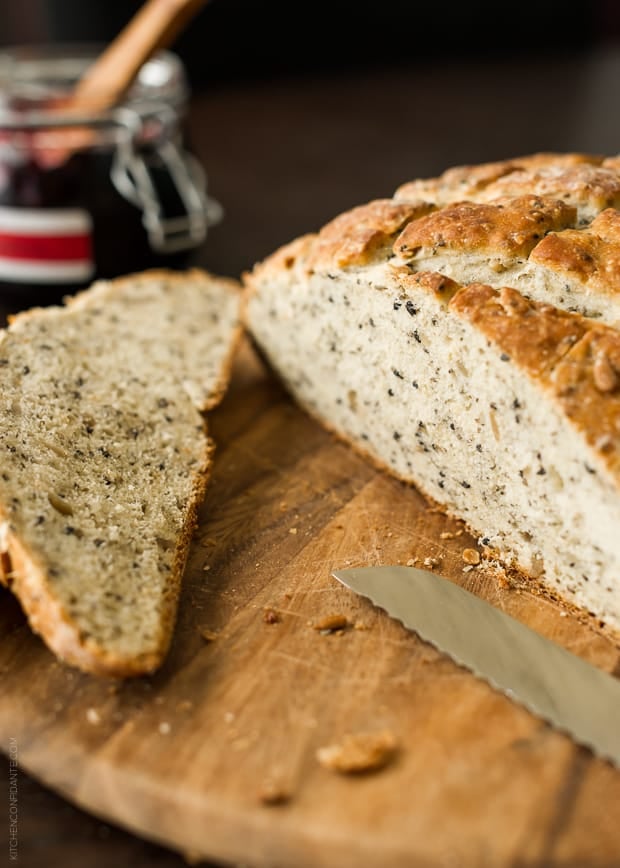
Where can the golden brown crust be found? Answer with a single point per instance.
(282, 260)
(577, 361)
(583, 185)
(506, 227)
(607, 226)
(512, 203)
(442, 287)
(355, 237)
(587, 384)
(534, 335)
(590, 255)
(612, 162)
(546, 159)
(467, 182)
(460, 182)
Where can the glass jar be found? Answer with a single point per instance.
(92, 196)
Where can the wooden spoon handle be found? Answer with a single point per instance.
(154, 27)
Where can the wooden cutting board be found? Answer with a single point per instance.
(196, 755)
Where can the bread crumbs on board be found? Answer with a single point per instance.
(271, 616)
(331, 624)
(502, 581)
(471, 557)
(272, 792)
(359, 753)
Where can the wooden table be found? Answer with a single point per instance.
(285, 156)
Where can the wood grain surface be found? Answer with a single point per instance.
(284, 155)
(216, 754)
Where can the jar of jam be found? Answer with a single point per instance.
(93, 196)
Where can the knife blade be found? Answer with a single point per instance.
(574, 696)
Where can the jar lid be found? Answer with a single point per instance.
(30, 76)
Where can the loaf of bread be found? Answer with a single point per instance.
(105, 458)
(461, 335)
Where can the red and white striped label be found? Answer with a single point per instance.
(52, 245)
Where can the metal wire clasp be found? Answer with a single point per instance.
(131, 176)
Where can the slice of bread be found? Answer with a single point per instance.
(503, 409)
(105, 456)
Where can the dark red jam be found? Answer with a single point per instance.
(85, 229)
(89, 198)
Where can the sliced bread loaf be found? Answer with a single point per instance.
(104, 458)
(502, 408)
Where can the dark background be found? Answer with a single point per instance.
(241, 39)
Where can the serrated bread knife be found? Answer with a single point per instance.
(572, 695)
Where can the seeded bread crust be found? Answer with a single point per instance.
(106, 458)
(358, 236)
(508, 276)
(574, 360)
(575, 178)
(588, 256)
(507, 228)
